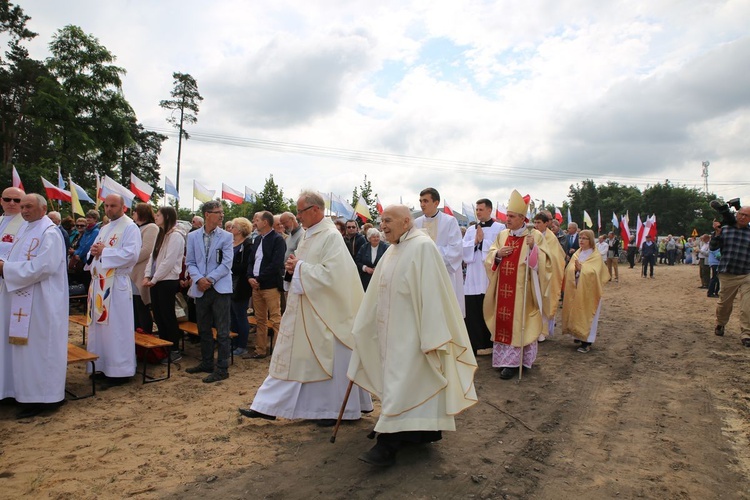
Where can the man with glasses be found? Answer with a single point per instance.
(352, 238)
(734, 272)
(209, 261)
(11, 220)
(307, 377)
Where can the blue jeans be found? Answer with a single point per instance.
(713, 284)
(238, 323)
(213, 310)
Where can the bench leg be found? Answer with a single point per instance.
(74, 397)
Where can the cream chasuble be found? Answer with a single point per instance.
(34, 368)
(444, 231)
(411, 346)
(583, 294)
(556, 257)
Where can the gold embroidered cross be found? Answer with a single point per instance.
(506, 291)
(508, 267)
(503, 314)
(19, 314)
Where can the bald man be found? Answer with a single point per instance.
(411, 348)
(34, 308)
(111, 325)
(11, 220)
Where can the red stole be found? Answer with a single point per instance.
(506, 291)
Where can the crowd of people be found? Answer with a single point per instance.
(399, 311)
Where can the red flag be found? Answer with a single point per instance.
(558, 215)
(624, 231)
(232, 195)
(54, 192)
(140, 188)
(378, 206)
(17, 180)
(447, 209)
(501, 213)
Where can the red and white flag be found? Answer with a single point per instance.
(140, 188)
(638, 231)
(624, 231)
(17, 180)
(599, 219)
(558, 215)
(232, 195)
(378, 205)
(447, 208)
(652, 225)
(501, 213)
(54, 192)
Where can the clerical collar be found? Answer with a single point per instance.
(486, 223)
(432, 216)
(518, 232)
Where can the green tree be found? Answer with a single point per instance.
(141, 157)
(365, 190)
(271, 198)
(91, 138)
(679, 209)
(184, 106)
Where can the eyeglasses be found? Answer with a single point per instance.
(216, 212)
(14, 200)
(80, 225)
(305, 209)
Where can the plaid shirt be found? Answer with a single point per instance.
(735, 249)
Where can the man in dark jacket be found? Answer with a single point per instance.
(264, 276)
(353, 239)
(648, 255)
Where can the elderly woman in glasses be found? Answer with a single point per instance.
(368, 256)
(585, 277)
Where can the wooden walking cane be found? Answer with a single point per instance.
(523, 313)
(341, 412)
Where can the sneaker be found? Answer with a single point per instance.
(541, 338)
(719, 330)
(239, 351)
(175, 355)
(215, 377)
(584, 349)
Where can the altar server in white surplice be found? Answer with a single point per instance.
(411, 348)
(34, 312)
(477, 242)
(111, 326)
(307, 376)
(444, 231)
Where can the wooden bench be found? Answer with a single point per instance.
(254, 322)
(81, 320)
(148, 342)
(191, 328)
(80, 355)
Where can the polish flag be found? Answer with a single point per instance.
(558, 215)
(232, 195)
(378, 205)
(624, 231)
(140, 188)
(638, 231)
(54, 192)
(501, 213)
(447, 208)
(652, 231)
(17, 180)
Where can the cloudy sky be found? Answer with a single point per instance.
(475, 98)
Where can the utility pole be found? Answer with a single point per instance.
(705, 175)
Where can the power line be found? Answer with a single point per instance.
(411, 161)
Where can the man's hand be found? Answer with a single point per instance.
(291, 263)
(96, 249)
(479, 238)
(369, 270)
(254, 284)
(203, 284)
(505, 251)
(530, 240)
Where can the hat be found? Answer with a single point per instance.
(518, 203)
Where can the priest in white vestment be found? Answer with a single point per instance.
(34, 305)
(307, 376)
(476, 244)
(411, 346)
(444, 231)
(10, 225)
(110, 311)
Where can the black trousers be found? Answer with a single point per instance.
(479, 334)
(142, 315)
(162, 302)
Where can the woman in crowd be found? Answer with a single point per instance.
(585, 277)
(368, 256)
(241, 292)
(143, 216)
(162, 277)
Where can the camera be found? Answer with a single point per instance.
(726, 212)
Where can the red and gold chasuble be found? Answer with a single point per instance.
(506, 288)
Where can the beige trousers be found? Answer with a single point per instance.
(731, 285)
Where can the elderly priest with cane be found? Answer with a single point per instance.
(34, 312)
(411, 348)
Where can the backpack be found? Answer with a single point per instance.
(153, 355)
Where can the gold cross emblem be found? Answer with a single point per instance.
(32, 246)
(508, 267)
(19, 314)
(506, 291)
(504, 314)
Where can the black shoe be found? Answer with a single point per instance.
(508, 373)
(719, 330)
(199, 369)
(108, 382)
(325, 422)
(379, 456)
(255, 414)
(29, 410)
(215, 377)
